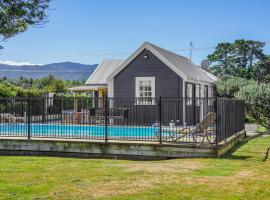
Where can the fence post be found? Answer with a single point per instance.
(217, 118)
(106, 119)
(43, 109)
(29, 118)
(160, 120)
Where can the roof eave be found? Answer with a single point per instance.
(149, 47)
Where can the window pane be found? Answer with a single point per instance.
(145, 86)
(145, 89)
(210, 92)
(202, 91)
(189, 90)
(197, 90)
(145, 94)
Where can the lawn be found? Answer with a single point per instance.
(242, 174)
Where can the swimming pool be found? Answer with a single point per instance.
(76, 131)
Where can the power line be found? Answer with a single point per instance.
(189, 49)
(108, 54)
(113, 54)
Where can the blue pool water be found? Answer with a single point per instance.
(50, 130)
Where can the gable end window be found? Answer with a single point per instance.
(145, 90)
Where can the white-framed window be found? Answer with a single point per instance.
(202, 91)
(210, 92)
(210, 95)
(189, 96)
(198, 94)
(145, 90)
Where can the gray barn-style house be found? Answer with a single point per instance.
(152, 72)
(169, 75)
(153, 97)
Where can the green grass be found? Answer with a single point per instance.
(261, 129)
(242, 174)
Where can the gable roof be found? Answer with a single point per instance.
(179, 64)
(103, 70)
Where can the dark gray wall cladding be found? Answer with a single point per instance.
(168, 83)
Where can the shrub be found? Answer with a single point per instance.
(228, 87)
(257, 99)
(7, 90)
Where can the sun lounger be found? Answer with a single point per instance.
(203, 130)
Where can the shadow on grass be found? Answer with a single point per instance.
(266, 154)
(230, 154)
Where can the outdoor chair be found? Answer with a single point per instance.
(203, 130)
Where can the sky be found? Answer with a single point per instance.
(88, 31)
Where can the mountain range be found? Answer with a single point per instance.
(62, 70)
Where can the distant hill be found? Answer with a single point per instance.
(62, 70)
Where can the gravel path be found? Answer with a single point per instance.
(251, 129)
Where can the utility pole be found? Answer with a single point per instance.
(190, 50)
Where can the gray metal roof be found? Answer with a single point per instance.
(193, 72)
(179, 64)
(103, 70)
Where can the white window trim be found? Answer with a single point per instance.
(210, 95)
(198, 94)
(153, 87)
(189, 94)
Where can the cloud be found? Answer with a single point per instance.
(9, 62)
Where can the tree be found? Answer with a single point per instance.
(23, 87)
(257, 99)
(236, 58)
(7, 90)
(228, 87)
(56, 85)
(261, 71)
(222, 57)
(23, 82)
(17, 15)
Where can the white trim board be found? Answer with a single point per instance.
(149, 47)
(169, 59)
(153, 85)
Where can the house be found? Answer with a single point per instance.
(169, 75)
(165, 74)
(97, 84)
(152, 72)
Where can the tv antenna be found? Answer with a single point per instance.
(190, 50)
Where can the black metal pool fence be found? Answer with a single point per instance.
(163, 120)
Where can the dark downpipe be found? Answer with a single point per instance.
(106, 119)
(217, 118)
(160, 121)
(29, 118)
(43, 110)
